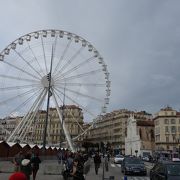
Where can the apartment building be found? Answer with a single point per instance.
(7, 125)
(111, 128)
(167, 129)
(72, 118)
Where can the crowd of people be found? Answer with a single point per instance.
(25, 165)
(74, 165)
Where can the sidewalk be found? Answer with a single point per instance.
(49, 169)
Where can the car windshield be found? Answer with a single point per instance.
(173, 169)
(133, 161)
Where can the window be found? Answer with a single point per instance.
(167, 138)
(158, 138)
(173, 121)
(166, 121)
(174, 138)
(178, 128)
(166, 129)
(157, 122)
(173, 129)
(157, 130)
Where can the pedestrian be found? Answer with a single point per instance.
(26, 166)
(68, 166)
(97, 162)
(69, 162)
(59, 156)
(18, 176)
(77, 170)
(108, 156)
(35, 161)
(17, 161)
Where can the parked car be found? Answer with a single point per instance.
(118, 159)
(165, 170)
(133, 165)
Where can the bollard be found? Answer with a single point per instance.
(125, 178)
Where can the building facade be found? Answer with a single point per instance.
(111, 129)
(167, 130)
(72, 118)
(7, 126)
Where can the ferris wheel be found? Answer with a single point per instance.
(52, 65)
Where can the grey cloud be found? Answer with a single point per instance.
(139, 41)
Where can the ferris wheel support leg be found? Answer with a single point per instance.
(69, 140)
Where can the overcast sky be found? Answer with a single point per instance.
(139, 40)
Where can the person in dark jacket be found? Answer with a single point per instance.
(97, 162)
(17, 161)
(77, 170)
(26, 166)
(35, 161)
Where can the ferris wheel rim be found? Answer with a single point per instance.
(33, 34)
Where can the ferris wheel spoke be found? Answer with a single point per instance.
(30, 120)
(80, 75)
(17, 78)
(20, 69)
(19, 87)
(22, 105)
(17, 96)
(83, 95)
(27, 63)
(76, 67)
(62, 56)
(70, 60)
(32, 52)
(53, 51)
(81, 84)
(44, 55)
(72, 100)
(39, 99)
(19, 127)
(55, 44)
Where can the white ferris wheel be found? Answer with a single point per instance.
(55, 65)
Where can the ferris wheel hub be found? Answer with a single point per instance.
(45, 81)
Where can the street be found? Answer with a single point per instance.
(51, 170)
